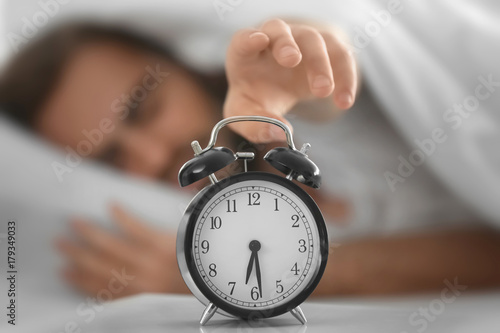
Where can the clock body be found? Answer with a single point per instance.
(216, 245)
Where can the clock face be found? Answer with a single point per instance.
(257, 244)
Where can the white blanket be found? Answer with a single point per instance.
(422, 59)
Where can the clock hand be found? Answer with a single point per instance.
(257, 271)
(250, 266)
(254, 246)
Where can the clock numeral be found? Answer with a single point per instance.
(279, 287)
(276, 205)
(205, 245)
(295, 269)
(231, 284)
(215, 222)
(253, 199)
(295, 219)
(231, 206)
(254, 293)
(212, 270)
(302, 247)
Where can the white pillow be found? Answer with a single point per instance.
(31, 194)
(28, 177)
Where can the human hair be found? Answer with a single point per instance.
(31, 75)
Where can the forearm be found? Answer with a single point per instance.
(405, 264)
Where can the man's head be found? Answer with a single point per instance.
(110, 95)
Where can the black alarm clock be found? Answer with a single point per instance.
(253, 245)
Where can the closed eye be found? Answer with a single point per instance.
(112, 155)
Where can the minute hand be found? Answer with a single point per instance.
(257, 271)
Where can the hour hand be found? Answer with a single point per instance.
(250, 266)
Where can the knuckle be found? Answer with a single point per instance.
(331, 37)
(337, 45)
(273, 22)
(238, 35)
(276, 24)
(239, 40)
(345, 55)
(308, 32)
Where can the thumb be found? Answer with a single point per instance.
(256, 132)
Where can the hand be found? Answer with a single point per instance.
(144, 257)
(272, 68)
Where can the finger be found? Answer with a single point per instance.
(316, 60)
(102, 289)
(81, 281)
(283, 46)
(344, 71)
(132, 226)
(90, 284)
(85, 259)
(257, 132)
(245, 44)
(104, 242)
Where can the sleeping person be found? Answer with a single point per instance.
(139, 107)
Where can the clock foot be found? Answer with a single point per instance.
(208, 313)
(297, 313)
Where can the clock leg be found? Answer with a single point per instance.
(208, 313)
(297, 313)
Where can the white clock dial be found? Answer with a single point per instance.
(256, 244)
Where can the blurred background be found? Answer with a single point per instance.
(100, 101)
(5, 49)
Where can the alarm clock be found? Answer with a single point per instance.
(253, 245)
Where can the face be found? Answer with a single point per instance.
(129, 108)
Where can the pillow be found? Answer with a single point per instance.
(32, 195)
(30, 176)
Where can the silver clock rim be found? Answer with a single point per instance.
(181, 256)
